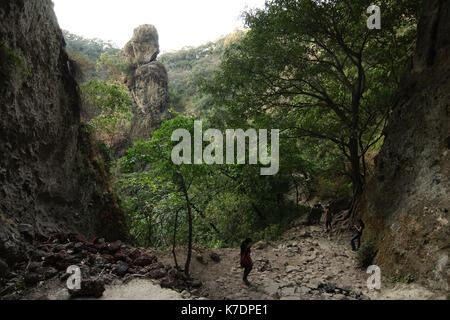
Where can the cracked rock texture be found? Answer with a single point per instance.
(147, 81)
(51, 176)
(407, 202)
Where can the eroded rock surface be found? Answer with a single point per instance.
(148, 82)
(407, 203)
(144, 45)
(51, 177)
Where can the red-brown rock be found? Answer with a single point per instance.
(144, 260)
(114, 247)
(136, 253)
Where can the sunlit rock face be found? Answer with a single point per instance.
(143, 46)
(147, 81)
(407, 203)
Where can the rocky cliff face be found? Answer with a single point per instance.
(148, 81)
(51, 177)
(407, 203)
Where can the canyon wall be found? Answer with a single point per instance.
(406, 205)
(52, 178)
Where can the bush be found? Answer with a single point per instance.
(366, 254)
(403, 279)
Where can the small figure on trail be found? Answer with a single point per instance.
(315, 214)
(246, 260)
(358, 235)
(328, 218)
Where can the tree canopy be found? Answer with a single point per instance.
(314, 70)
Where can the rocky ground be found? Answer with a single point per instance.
(102, 264)
(306, 264)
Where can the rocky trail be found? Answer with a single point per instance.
(306, 264)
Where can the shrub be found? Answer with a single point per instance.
(366, 254)
(409, 278)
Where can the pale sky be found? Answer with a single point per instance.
(179, 22)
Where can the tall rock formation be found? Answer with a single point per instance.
(51, 177)
(408, 201)
(148, 81)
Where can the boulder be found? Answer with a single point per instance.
(136, 253)
(147, 81)
(143, 46)
(89, 289)
(157, 274)
(144, 260)
(215, 257)
(108, 258)
(120, 255)
(121, 268)
(168, 282)
(114, 247)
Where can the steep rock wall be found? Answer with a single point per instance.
(406, 205)
(148, 82)
(51, 177)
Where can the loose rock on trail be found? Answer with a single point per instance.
(306, 264)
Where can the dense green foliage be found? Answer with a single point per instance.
(228, 202)
(314, 70)
(87, 53)
(187, 67)
(111, 105)
(366, 254)
(92, 49)
(309, 68)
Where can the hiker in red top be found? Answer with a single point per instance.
(246, 260)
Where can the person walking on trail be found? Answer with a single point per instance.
(246, 260)
(358, 235)
(328, 218)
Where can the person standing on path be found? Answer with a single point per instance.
(358, 235)
(246, 260)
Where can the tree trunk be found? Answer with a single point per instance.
(357, 180)
(206, 219)
(189, 213)
(149, 232)
(175, 239)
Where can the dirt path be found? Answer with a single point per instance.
(306, 264)
(291, 268)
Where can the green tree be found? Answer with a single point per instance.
(112, 105)
(157, 153)
(112, 66)
(318, 72)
